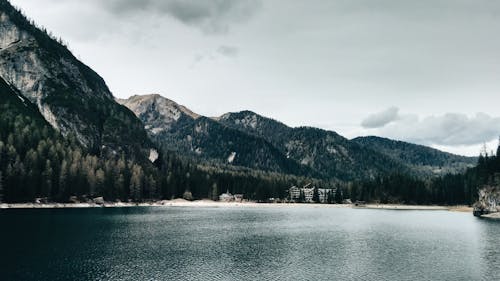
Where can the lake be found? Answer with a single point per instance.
(246, 243)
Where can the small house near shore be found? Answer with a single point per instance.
(228, 197)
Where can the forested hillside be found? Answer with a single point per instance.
(36, 161)
(450, 189)
(324, 151)
(246, 139)
(422, 159)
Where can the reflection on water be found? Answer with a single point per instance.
(295, 243)
(490, 248)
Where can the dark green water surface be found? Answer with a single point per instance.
(262, 243)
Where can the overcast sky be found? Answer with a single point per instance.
(423, 71)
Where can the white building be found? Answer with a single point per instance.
(228, 197)
(308, 190)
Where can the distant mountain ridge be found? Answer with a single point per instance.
(419, 157)
(324, 151)
(179, 129)
(253, 141)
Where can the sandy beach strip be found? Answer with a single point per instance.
(166, 203)
(210, 203)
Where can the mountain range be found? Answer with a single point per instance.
(253, 141)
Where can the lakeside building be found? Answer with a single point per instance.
(307, 191)
(294, 193)
(228, 197)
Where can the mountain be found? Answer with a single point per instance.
(37, 161)
(249, 140)
(179, 129)
(418, 157)
(71, 97)
(324, 151)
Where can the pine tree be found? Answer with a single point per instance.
(136, 183)
(302, 196)
(99, 181)
(63, 180)
(330, 198)
(215, 192)
(338, 196)
(152, 188)
(47, 180)
(1, 187)
(316, 195)
(498, 148)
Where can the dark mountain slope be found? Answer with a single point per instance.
(178, 129)
(36, 161)
(419, 157)
(72, 97)
(321, 150)
(250, 140)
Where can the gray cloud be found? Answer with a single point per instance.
(221, 51)
(211, 16)
(450, 129)
(380, 119)
(228, 51)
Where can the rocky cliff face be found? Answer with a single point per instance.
(488, 201)
(159, 114)
(70, 95)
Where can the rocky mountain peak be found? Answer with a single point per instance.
(246, 119)
(156, 111)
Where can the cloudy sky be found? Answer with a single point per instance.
(422, 71)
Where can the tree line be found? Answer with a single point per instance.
(451, 189)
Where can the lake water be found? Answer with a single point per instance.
(267, 243)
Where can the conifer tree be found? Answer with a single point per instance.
(302, 196)
(136, 183)
(315, 197)
(215, 192)
(1, 187)
(338, 196)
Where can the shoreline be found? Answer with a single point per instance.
(458, 208)
(210, 203)
(492, 216)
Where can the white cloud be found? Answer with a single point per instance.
(380, 119)
(449, 129)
